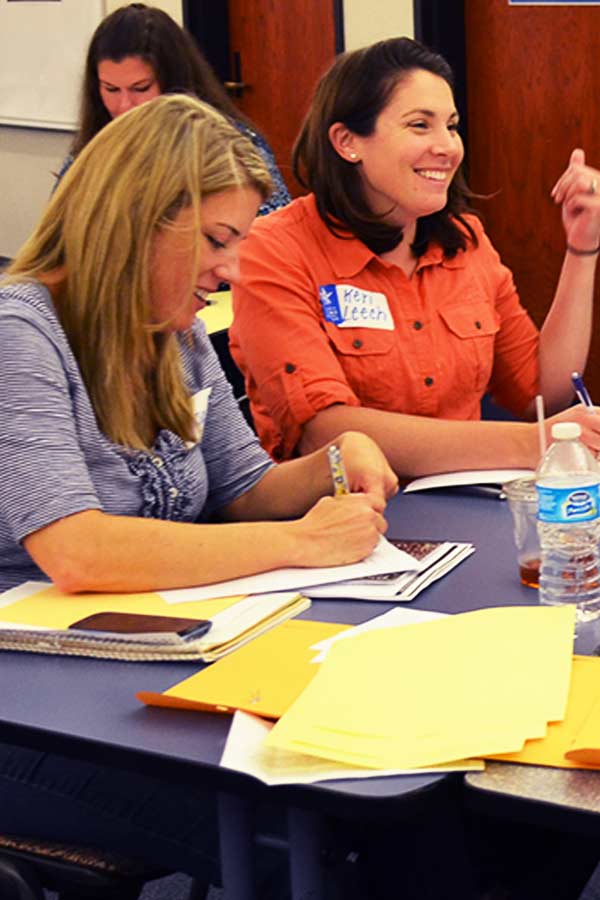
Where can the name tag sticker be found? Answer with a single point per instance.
(350, 307)
(200, 408)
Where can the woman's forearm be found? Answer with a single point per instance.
(416, 445)
(566, 333)
(94, 551)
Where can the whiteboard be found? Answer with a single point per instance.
(43, 45)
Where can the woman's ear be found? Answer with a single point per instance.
(343, 142)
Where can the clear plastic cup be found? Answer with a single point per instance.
(523, 502)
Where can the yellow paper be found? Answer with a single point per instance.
(245, 751)
(219, 315)
(49, 608)
(424, 694)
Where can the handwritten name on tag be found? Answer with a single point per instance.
(350, 307)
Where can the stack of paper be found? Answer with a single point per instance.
(419, 695)
(246, 751)
(435, 559)
(385, 558)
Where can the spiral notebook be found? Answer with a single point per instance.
(36, 617)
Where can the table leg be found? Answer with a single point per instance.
(305, 833)
(236, 838)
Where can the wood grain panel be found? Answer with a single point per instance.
(533, 77)
(284, 48)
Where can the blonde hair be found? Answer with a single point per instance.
(131, 179)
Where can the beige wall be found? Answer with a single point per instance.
(28, 159)
(366, 21)
(172, 7)
(29, 156)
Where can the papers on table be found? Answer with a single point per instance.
(246, 751)
(467, 478)
(385, 558)
(435, 559)
(418, 695)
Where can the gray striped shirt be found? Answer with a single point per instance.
(55, 461)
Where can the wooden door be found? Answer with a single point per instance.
(279, 50)
(533, 79)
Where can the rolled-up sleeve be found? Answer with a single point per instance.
(279, 341)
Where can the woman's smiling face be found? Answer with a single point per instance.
(409, 160)
(177, 292)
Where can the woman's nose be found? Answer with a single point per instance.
(125, 103)
(445, 142)
(229, 271)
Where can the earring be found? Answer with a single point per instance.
(353, 156)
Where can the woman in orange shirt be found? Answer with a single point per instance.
(377, 302)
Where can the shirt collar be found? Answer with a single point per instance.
(349, 256)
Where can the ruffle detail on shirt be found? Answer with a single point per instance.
(164, 483)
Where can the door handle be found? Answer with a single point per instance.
(236, 85)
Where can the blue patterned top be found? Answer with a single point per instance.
(55, 461)
(279, 197)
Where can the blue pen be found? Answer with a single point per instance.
(582, 391)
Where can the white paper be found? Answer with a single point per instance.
(245, 752)
(385, 558)
(405, 586)
(460, 479)
(21, 591)
(391, 619)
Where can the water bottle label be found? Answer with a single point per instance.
(568, 504)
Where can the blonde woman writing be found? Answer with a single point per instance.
(119, 433)
(125, 463)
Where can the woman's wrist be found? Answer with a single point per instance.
(580, 251)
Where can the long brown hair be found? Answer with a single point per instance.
(98, 228)
(177, 63)
(354, 91)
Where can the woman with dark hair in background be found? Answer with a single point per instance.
(378, 303)
(139, 52)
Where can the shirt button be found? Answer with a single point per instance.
(157, 462)
(173, 492)
(357, 343)
(477, 323)
(429, 381)
(289, 368)
(417, 325)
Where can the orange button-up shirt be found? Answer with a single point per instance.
(456, 329)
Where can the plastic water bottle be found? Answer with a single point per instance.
(568, 480)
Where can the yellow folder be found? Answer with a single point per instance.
(573, 743)
(264, 677)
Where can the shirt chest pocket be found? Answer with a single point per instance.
(360, 342)
(471, 331)
(367, 356)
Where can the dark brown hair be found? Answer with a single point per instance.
(354, 91)
(147, 32)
